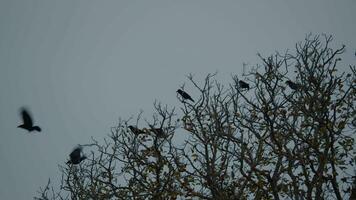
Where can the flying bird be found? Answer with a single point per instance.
(27, 121)
(76, 156)
(135, 130)
(244, 85)
(184, 95)
(292, 85)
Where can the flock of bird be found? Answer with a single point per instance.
(291, 84)
(76, 156)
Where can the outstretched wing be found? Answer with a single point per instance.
(27, 120)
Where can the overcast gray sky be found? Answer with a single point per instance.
(80, 65)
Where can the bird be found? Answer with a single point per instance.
(244, 85)
(27, 121)
(184, 95)
(158, 131)
(292, 85)
(76, 156)
(135, 130)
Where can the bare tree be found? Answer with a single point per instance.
(282, 131)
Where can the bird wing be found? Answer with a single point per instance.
(186, 95)
(27, 120)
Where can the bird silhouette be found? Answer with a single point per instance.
(76, 156)
(27, 121)
(158, 131)
(135, 130)
(184, 95)
(244, 85)
(292, 85)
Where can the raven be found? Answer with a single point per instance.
(292, 85)
(244, 85)
(135, 130)
(184, 95)
(27, 122)
(76, 156)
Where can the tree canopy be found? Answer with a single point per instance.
(269, 140)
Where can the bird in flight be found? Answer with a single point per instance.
(184, 95)
(136, 130)
(244, 85)
(292, 85)
(27, 121)
(76, 156)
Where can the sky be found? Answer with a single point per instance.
(81, 65)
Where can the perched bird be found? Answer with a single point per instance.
(184, 95)
(244, 85)
(292, 85)
(135, 130)
(158, 131)
(76, 156)
(27, 121)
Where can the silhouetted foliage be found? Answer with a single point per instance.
(353, 189)
(268, 142)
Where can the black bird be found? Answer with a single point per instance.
(184, 95)
(292, 85)
(27, 122)
(135, 130)
(158, 131)
(76, 156)
(244, 85)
